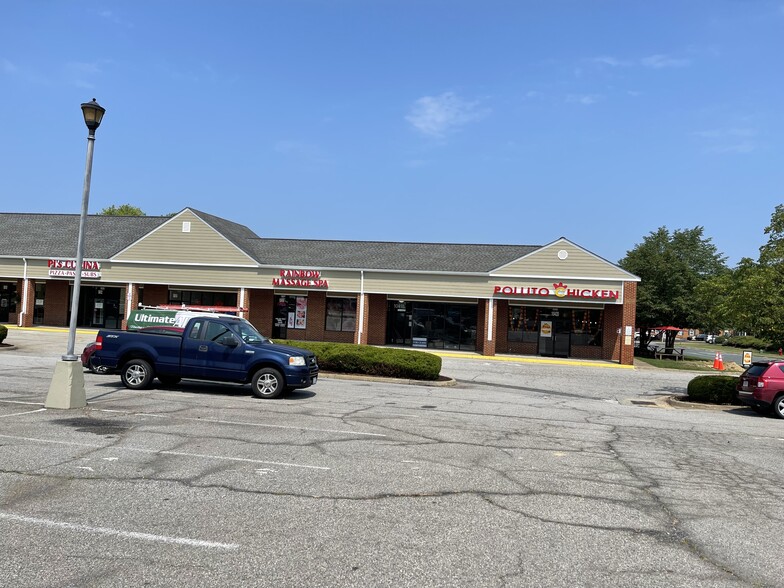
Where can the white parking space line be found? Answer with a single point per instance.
(3, 416)
(165, 452)
(22, 402)
(243, 423)
(119, 533)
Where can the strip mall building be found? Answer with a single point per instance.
(554, 300)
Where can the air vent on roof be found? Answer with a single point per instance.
(186, 226)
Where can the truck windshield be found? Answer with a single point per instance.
(249, 334)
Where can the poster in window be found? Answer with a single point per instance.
(290, 324)
(300, 320)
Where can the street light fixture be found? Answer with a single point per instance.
(67, 387)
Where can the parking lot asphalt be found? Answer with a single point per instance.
(520, 474)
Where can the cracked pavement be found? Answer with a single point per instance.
(520, 475)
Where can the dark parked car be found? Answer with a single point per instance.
(761, 387)
(89, 350)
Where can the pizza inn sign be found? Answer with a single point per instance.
(559, 289)
(66, 268)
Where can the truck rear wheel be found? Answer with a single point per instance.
(137, 374)
(268, 383)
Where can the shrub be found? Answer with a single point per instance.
(750, 343)
(373, 361)
(713, 389)
(3, 333)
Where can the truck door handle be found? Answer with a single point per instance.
(202, 348)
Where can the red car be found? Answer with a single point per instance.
(87, 353)
(761, 387)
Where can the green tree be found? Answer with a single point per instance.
(122, 210)
(671, 267)
(755, 303)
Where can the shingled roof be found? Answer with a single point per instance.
(55, 235)
(378, 255)
(238, 234)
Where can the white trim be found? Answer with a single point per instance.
(118, 262)
(490, 309)
(243, 302)
(361, 306)
(424, 298)
(25, 289)
(128, 299)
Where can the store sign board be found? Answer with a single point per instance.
(300, 278)
(66, 268)
(559, 290)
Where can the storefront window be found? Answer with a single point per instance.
(341, 314)
(435, 325)
(523, 324)
(196, 298)
(584, 325)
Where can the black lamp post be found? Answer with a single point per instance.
(67, 387)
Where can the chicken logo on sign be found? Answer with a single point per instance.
(560, 289)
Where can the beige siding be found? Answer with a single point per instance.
(11, 268)
(169, 244)
(578, 264)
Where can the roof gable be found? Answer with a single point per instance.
(564, 259)
(186, 238)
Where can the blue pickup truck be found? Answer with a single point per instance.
(211, 347)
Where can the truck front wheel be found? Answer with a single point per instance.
(268, 383)
(137, 374)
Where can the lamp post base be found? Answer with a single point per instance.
(67, 387)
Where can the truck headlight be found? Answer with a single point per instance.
(298, 360)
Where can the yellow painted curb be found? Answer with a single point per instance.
(51, 329)
(541, 360)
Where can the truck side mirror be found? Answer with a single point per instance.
(229, 341)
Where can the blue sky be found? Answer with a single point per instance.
(433, 121)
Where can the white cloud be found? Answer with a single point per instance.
(610, 61)
(437, 116)
(662, 61)
(584, 99)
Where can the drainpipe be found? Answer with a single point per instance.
(21, 316)
(361, 306)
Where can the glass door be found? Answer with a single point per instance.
(555, 333)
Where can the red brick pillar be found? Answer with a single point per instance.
(56, 303)
(26, 289)
(486, 316)
(616, 318)
(260, 304)
(317, 315)
(375, 319)
(629, 319)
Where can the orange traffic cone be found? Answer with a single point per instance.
(716, 362)
(721, 363)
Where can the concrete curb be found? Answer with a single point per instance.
(675, 403)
